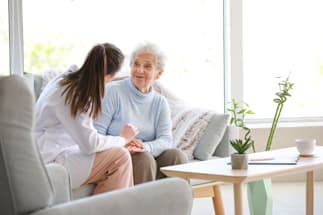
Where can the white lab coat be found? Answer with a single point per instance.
(69, 141)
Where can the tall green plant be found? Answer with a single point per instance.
(282, 94)
(238, 112)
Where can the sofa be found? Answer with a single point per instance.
(27, 186)
(201, 133)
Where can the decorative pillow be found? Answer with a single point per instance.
(213, 134)
(189, 125)
(196, 131)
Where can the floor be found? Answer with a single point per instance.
(288, 199)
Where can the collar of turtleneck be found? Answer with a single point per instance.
(137, 95)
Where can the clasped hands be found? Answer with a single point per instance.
(129, 132)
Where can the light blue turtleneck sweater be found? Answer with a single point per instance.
(149, 112)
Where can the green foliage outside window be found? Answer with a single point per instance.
(39, 55)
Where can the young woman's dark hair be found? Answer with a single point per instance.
(84, 88)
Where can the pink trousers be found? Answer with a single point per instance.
(111, 170)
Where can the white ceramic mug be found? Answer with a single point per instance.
(305, 147)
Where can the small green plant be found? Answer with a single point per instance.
(241, 146)
(238, 112)
(282, 94)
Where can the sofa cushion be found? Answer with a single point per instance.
(188, 122)
(83, 191)
(189, 125)
(24, 182)
(212, 136)
(35, 82)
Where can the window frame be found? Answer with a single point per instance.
(232, 53)
(16, 52)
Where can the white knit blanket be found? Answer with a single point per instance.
(189, 123)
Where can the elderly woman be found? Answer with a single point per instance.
(133, 100)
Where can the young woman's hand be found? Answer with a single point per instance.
(135, 146)
(129, 132)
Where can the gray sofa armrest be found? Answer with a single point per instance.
(60, 181)
(171, 196)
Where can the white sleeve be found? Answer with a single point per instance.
(83, 132)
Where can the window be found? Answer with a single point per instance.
(61, 32)
(4, 38)
(282, 38)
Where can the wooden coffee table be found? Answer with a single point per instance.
(218, 170)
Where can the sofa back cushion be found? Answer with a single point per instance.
(24, 183)
(213, 135)
(197, 131)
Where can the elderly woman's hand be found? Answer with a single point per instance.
(135, 146)
(129, 132)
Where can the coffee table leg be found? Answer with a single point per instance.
(217, 200)
(238, 204)
(309, 193)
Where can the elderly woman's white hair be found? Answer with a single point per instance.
(151, 48)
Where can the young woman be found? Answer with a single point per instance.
(64, 124)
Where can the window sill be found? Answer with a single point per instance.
(290, 123)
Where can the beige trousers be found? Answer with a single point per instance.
(147, 168)
(111, 170)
